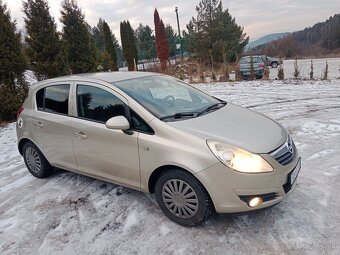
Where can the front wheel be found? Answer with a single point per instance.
(182, 198)
(274, 65)
(35, 161)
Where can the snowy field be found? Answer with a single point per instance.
(304, 68)
(73, 214)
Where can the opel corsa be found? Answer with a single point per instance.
(157, 134)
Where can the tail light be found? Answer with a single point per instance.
(262, 65)
(19, 112)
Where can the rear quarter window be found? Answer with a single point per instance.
(53, 99)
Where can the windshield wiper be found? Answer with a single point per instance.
(179, 115)
(212, 107)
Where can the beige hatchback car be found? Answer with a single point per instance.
(157, 134)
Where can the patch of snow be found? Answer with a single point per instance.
(164, 230)
(131, 220)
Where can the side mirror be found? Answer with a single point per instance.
(118, 123)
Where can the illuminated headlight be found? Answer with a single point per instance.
(238, 159)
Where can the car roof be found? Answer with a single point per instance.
(102, 76)
(253, 56)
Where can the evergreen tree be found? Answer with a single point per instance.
(120, 55)
(145, 42)
(98, 36)
(43, 45)
(79, 47)
(128, 44)
(110, 47)
(13, 88)
(214, 32)
(103, 63)
(172, 40)
(162, 45)
(97, 33)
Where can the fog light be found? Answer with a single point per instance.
(255, 201)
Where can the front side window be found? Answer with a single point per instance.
(98, 104)
(53, 99)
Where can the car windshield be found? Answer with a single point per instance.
(167, 98)
(246, 60)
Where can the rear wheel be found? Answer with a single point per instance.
(35, 161)
(182, 198)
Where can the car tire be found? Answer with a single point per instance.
(35, 161)
(274, 65)
(182, 198)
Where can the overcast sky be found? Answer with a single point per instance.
(258, 17)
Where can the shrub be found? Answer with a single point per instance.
(280, 73)
(266, 74)
(311, 74)
(213, 76)
(325, 72)
(296, 70)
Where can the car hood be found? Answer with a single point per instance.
(237, 126)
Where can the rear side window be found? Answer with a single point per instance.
(53, 99)
(98, 104)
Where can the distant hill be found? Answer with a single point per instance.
(265, 39)
(321, 39)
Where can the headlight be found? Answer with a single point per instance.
(238, 159)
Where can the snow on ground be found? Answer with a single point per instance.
(304, 67)
(72, 214)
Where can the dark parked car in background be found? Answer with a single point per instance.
(270, 61)
(258, 65)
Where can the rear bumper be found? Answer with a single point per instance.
(231, 190)
(258, 73)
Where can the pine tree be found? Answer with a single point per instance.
(162, 45)
(216, 30)
(110, 47)
(97, 33)
(44, 47)
(128, 44)
(145, 42)
(172, 40)
(13, 88)
(98, 36)
(79, 47)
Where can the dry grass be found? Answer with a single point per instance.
(194, 71)
(3, 123)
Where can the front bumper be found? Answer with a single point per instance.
(229, 189)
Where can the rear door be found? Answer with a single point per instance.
(51, 124)
(106, 153)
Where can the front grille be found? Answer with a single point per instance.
(285, 154)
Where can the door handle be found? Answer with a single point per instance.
(81, 134)
(38, 124)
